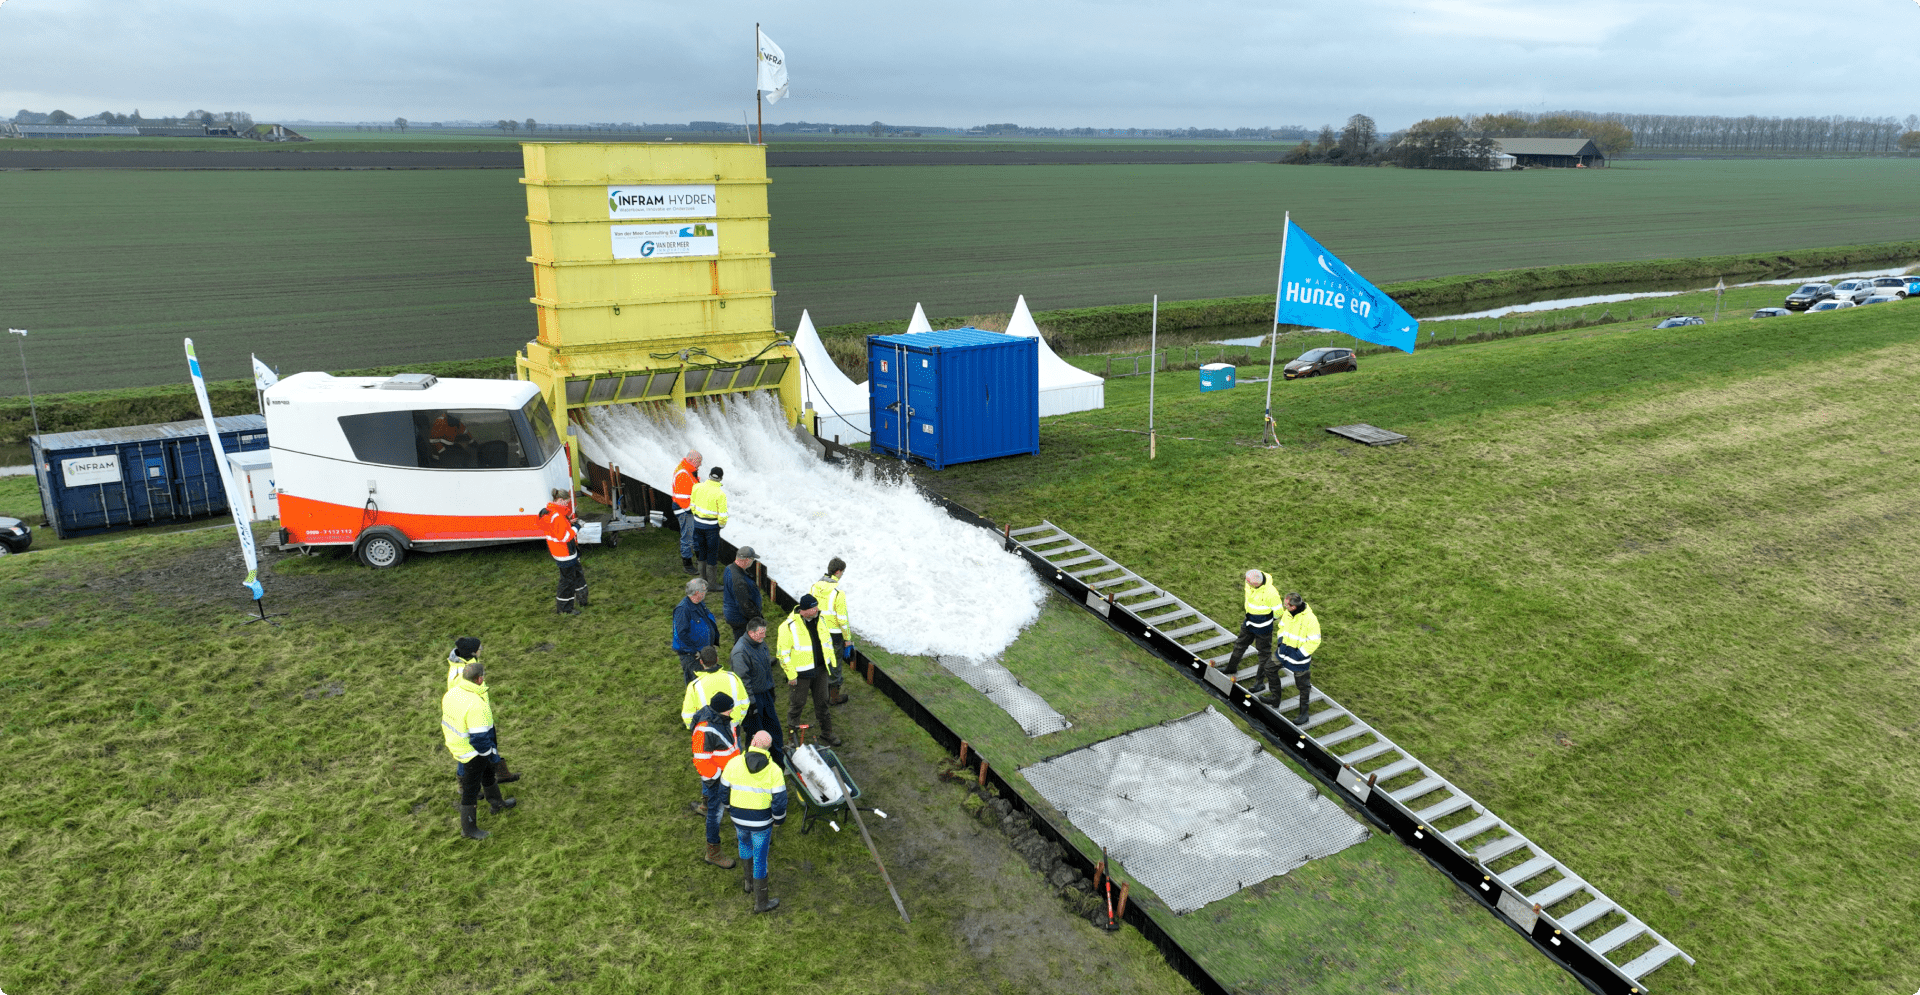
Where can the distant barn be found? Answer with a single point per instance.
(1564, 153)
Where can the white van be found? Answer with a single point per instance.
(411, 462)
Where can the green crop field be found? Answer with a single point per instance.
(333, 269)
(1646, 594)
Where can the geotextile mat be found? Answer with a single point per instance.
(1194, 808)
(997, 683)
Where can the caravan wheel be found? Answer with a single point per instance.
(382, 551)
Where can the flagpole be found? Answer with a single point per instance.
(758, 114)
(1153, 363)
(1273, 341)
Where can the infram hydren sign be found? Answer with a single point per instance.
(83, 471)
(635, 202)
(666, 241)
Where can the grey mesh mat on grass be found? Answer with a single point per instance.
(1194, 808)
(1036, 717)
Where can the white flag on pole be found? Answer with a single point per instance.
(240, 523)
(263, 375)
(773, 70)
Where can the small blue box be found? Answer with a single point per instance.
(1216, 376)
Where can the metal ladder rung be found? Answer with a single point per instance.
(1645, 963)
(1042, 527)
(1165, 599)
(1618, 935)
(1322, 718)
(1435, 813)
(1499, 848)
(1159, 620)
(1119, 596)
(1187, 630)
(1397, 768)
(1468, 830)
(1557, 891)
(1368, 752)
(1540, 864)
(1340, 736)
(1109, 582)
(1067, 543)
(1076, 561)
(1586, 914)
(1425, 785)
(1082, 574)
(1207, 644)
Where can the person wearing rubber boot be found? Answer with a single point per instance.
(709, 509)
(757, 801)
(563, 543)
(833, 621)
(802, 653)
(466, 720)
(753, 664)
(693, 628)
(716, 740)
(739, 592)
(1299, 639)
(1257, 630)
(466, 649)
(685, 475)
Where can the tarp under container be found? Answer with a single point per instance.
(840, 403)
(1064, 388)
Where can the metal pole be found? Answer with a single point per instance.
(1153, 343)
(854, 806)
(1273, 342)
(29, 379)
(757, 111)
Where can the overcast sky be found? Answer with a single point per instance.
(1122, 63)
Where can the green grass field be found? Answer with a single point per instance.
(334, 270)
(1646, 594)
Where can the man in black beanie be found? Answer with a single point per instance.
(466, 649)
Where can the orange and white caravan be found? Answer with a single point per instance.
(411, 462)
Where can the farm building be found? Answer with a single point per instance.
(88, 130)
(1564, 153)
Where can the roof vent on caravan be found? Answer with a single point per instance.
(409, 381)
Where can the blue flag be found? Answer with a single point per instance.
(1320, 291)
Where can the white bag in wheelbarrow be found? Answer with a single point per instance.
(815, 776)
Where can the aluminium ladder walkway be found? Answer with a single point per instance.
(1538, 881)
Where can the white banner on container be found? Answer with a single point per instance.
(665, 241)
(660, 201)
(83, 471)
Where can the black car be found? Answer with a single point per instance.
(1809, 295)
(1314, 362)
(15, 536)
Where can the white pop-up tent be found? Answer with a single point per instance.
(919, 323)
(840, 403)
(1064, 388)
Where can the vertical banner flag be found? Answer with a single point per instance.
(240, 523)
(1320, 291)
(773, 70)
(263, 375)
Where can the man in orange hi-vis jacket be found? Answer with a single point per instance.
(564, 543)
(685, 476)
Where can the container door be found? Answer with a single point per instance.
(884, 364)
(150, 497)
(923, 403)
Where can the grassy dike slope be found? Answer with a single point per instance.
(1647, 594)
(196, 806)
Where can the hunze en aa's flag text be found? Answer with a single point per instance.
(1319, 291)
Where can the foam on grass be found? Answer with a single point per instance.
(918, 581)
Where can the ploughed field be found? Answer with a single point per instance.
(350, 269)
(1647, 594)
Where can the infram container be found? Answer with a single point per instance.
(953, 396)
(113, 478)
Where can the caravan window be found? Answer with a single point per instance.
(539, 431)
(440, 438)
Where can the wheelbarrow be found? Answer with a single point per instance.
(814, 766)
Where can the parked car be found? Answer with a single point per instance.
(1895, 286)
(1831, 305)
(1681, 321)
(1771, 312)
(1809, 295)
(15, 536)
(1881, 299)
(1314, 362)
(1853, 290)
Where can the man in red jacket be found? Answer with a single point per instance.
(563, 542)
(685, 475)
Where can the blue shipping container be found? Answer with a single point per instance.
(969, 395)
(114, 478)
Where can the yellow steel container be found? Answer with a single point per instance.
(652, 275)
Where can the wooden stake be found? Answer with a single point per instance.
(983, 772)
(1123, 900)
(963, 751)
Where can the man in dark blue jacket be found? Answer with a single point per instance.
(739, 594)
(693, 628)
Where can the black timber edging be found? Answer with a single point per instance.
(641, 498)
(1380, 810)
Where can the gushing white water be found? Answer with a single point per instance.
(918, 582)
